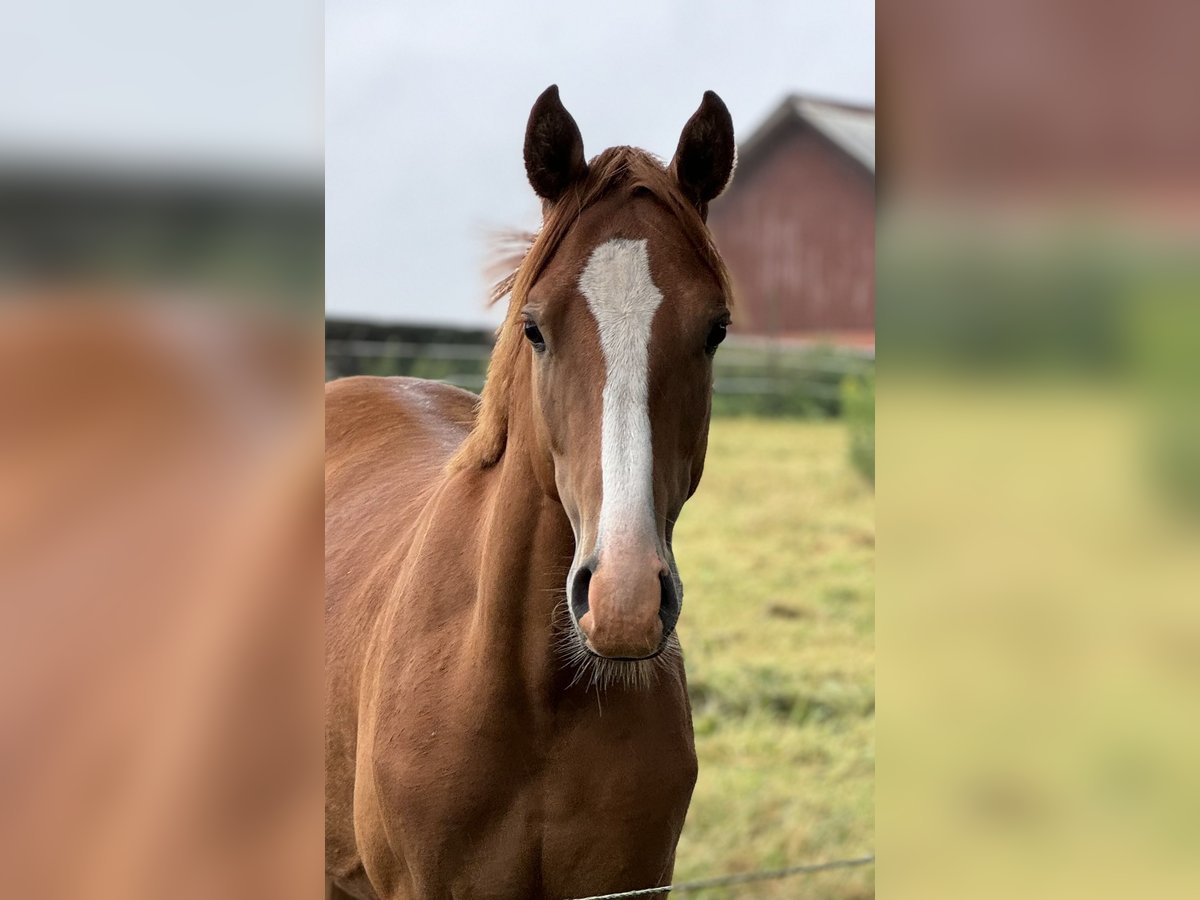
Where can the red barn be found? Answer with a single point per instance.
(797, 225)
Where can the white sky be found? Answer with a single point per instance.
(426, 107)
(227, 88)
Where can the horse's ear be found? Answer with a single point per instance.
(704, 160)
(553, 147)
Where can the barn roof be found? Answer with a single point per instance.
(850, 127)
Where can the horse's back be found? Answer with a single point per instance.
(406, 425)
(387, 442)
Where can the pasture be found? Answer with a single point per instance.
(776, 551)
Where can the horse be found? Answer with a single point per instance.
(506, 704)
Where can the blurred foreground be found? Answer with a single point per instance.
(1040, 645)
(160, 627)
(1039, 465)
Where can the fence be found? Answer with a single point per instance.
(739, 879)
(750, 376)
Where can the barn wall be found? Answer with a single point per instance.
(797, 228)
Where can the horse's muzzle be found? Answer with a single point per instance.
(625, 609)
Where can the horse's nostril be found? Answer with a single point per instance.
(668, 608)
(579, 592)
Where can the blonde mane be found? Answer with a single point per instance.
(616, 168)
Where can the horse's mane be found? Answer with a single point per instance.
(616, 168)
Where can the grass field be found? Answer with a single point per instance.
(776, 552)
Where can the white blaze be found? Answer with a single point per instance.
(623, 298)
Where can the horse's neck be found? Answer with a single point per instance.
(526, 549)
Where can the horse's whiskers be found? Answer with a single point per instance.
(600, 673)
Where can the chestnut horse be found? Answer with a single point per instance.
(507, 714)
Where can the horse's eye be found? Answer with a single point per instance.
(535, 337)
(715, 335)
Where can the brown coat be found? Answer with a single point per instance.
(484, 556)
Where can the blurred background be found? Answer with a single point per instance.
(425, 120)
(170, 151)
(1039, 449)
(161, 281)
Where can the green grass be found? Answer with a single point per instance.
(776, 552)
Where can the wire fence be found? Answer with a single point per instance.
(749, 375)
(741, 878)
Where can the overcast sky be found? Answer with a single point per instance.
(229, 88)
(426, 107)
